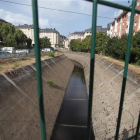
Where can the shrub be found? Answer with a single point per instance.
(25, 58)
(51, 54)
(50, 83)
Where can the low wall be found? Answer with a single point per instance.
(106, 98)
(19, 113)
(19, 55)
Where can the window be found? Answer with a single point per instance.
(135, 24)
(138, 3)
(136, 14)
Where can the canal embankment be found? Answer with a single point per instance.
(19, 113)
(106, 97)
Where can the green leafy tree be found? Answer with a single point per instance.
(45, 42)
(101, 42)
(7, 31)
(75, 44)
(86, 44)
(135, 49)
(20, 37)
(29, 42)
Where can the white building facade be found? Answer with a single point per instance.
(120, 26)
(52, 34)
(82, 35)
(76, 35)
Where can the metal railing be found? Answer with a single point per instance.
(92, 64)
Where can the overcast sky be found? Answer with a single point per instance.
(64, 22)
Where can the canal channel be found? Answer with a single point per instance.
(72, 118)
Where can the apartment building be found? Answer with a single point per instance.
(62, 38)
(98, 29)
(52, 34)
(76, 35)
(120, 25)
(82, 35)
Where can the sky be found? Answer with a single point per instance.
(64, 22)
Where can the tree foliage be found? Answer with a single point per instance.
(45, 42)
(29, 42)
(114, 47)
(12, 36)
(20, 37)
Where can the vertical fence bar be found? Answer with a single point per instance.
(92, 65)
(38, 69)
(138, 126)
(125, 68)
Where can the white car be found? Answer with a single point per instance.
(46, 50)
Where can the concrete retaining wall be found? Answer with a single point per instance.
(19, 114)
(106, 98)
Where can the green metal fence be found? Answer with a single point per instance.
(92, 65)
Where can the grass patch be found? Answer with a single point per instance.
(1, 68)
(18, 64)
(60, 51)
(50, 83)
(50, 54)
(25, 58)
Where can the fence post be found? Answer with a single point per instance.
(92, 65)
(125, 68)
(38, 69)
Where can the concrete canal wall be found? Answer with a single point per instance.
(106, 98)
(19, 114)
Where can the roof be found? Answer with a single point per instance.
(88, 30)
(47, 30)
(25, 26)
(77, 33)
(98, 29)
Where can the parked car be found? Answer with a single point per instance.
(3, 52)
(8, 49)
(46, 50)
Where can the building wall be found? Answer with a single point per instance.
(75, 36)
(54, 37)
(29, 32)
(120, 26)
(66, 43)
(86, 34)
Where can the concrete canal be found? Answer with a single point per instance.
(72, 118)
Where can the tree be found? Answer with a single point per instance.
(20, 37)
(29, 42)
(86, 44)
(101, 42)
(45, 42)
(0, 31)
(75, 44)
(7, 30)
(135, 49)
